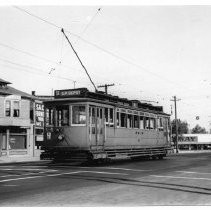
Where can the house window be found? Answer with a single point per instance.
(78, 115)
(8, 108)
(17, 141)
(16, 109)
(31, 112)
(17, 138)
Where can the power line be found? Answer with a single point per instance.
(31, 72)
(100, 48)
(39, 57)
(31, 67)
(35, 16)
(35, 56)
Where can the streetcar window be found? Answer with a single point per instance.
(142, 122)
(160, 123)
(165, 124)
(123, 121)
(111, 117)
(79, 115)
(129, 121)
(62, 115)
(106, 115)
(118, 119)
(92, 114)
(152, 123)
(146, 126)
(49, 116)
(101, 113)
(136, 121)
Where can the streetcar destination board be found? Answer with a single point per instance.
(69, 92)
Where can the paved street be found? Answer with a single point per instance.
(183, 179)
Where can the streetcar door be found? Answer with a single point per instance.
(96, 126)
(100, 126)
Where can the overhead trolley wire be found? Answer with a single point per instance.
(102, 49)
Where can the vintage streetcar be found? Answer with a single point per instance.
(88, 126)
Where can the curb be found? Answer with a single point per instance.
(24, 162)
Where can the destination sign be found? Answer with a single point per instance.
(69, 93)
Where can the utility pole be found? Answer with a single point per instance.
(176, 123)
(106, 87)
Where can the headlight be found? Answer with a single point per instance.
(60, 137)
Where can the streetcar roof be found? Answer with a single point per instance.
(84, 95)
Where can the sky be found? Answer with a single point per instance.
(149, 52)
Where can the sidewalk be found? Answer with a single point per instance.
(18, 159)
(190, 152)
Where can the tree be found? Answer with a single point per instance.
(182, 127)
(198, 129)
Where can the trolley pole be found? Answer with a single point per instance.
(176, 122)
(74, 84)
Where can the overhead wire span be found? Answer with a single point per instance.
(102, 49)
(87, 26)
(90, 22)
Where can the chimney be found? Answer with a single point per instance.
(33, 93)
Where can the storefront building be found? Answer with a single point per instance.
(16, 126)
(194, 142)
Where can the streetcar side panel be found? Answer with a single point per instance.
(134, 137)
